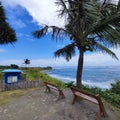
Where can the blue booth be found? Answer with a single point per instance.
(11, 75)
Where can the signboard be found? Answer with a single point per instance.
(12, 79)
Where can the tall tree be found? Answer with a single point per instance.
(91, 26)
(7, 34)
(26, 62)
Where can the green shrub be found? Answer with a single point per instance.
(116, 87)
(55, 81)
(112, 98)
(69, 84)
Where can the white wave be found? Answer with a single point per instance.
(64, 67)
(103, 85)
(65, 79)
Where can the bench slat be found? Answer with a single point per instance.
(91, 99)
(52, 87)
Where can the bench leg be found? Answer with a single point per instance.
(74, 99)
(101, 112)
(102, 108)
(99, 115)
(47, 89)
(61, 94)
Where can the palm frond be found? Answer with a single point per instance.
(7, 33)
(109, 15)
(91, 11)
(67, 52)
(103, 49)
(101, 24)
(57, 32)
(110, 33)
(64, 7)
(40, 33)
(108, 29)
(118, 6)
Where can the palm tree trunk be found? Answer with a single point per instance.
(80, 69)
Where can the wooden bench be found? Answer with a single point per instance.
(50, 86)
(90, 97)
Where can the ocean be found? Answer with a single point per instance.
(101, 77)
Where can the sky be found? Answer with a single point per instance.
(26, 16)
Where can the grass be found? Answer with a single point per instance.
(7, 96)
(31, 74)
(55, 81)
(37, 74)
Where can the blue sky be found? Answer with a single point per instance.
(26, 16)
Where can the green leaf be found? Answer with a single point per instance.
(67, 52)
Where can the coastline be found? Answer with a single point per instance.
(100, 77)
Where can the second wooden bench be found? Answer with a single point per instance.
(90, 97)
(50, 86)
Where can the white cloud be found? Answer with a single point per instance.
(95, 59)
(2, 50)
(42, 11)
(18, 23)
(8, 62)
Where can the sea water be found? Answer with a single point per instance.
(101, 77)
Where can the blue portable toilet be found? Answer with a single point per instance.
(11, 76)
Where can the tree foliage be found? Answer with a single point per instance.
(14, 66)
(7, 34)
(91, 25)
(115, 87)
(26, 61)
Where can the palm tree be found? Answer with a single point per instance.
(27, 62)
(7, 34)
(91, 26)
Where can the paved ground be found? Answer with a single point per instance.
(38, 105)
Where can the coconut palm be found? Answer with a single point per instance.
(7, 34)
(26, 62)
(91, 25)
